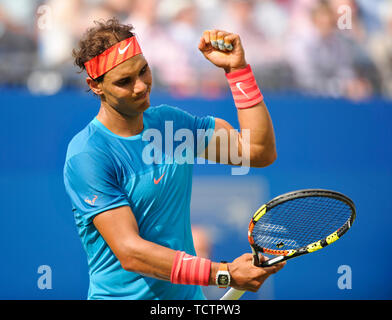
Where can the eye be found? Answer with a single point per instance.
(123, 82)
(144, 69)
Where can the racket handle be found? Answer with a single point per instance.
(233, 294)
(272, 261)
(256, 260)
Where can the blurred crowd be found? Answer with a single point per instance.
(332, 48)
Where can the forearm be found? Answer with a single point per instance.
(148, 258)
(256, 141)
(120, 230)
(213, 272)
(156, 261)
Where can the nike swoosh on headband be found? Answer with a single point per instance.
(122, 51)
(112, 57)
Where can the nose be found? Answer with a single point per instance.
(140, 86)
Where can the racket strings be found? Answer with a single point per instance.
(299, 222)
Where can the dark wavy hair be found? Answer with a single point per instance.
(99, 38)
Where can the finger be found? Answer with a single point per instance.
(206, 36)
(228, 42)
(247, 257)
(220, 39)
(233, 40)
(224, 45)
(275, 268)
(256, 259)
(228, 46)
(202, 44)
(263, 258)
(213, 39)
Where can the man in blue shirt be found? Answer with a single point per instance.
(130, 186)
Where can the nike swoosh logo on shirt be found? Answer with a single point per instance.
(187, 258)
(157, 181)
(122, 51)
(238, 84)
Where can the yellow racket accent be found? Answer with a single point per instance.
(332, 237)
(259, 213)
(291, 252)
(314, 246)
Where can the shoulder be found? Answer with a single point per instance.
(180, 118)
(164, 110)
(87, 141)
(162, 113)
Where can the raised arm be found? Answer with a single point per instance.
(255, 142)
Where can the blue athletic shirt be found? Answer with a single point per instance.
(103, 171)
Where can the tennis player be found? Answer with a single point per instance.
(133, 217)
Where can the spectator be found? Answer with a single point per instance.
(357, 31)
(120, 8)
(300, 22)
(326, 61)
(290, 43)
(272, 19)
(169, 63)
(18, 46)
(266, 54)
(370, 16)
(58, 22)
(64, 20)
(380, 48)
(181, 22)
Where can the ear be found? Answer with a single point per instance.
(95, 86)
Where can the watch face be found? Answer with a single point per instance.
(223, 279)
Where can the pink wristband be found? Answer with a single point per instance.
(244, 88)
(189, 269)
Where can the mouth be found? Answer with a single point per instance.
(142, 97)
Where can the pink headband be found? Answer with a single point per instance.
(112, 57)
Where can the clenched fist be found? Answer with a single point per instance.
(223, 49)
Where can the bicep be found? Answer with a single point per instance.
(224, 139)
(119, 229)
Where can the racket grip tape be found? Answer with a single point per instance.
(233, 294)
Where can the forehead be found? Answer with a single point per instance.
(128, 68)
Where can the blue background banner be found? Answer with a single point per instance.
(322, 143)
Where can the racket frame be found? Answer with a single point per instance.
(283, 255)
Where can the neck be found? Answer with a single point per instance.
(120, 124)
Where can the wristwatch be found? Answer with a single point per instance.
(223, 276)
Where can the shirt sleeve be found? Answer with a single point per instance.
(91, 183)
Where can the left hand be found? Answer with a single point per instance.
(212, 46)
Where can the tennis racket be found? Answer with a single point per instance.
(297, 223)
